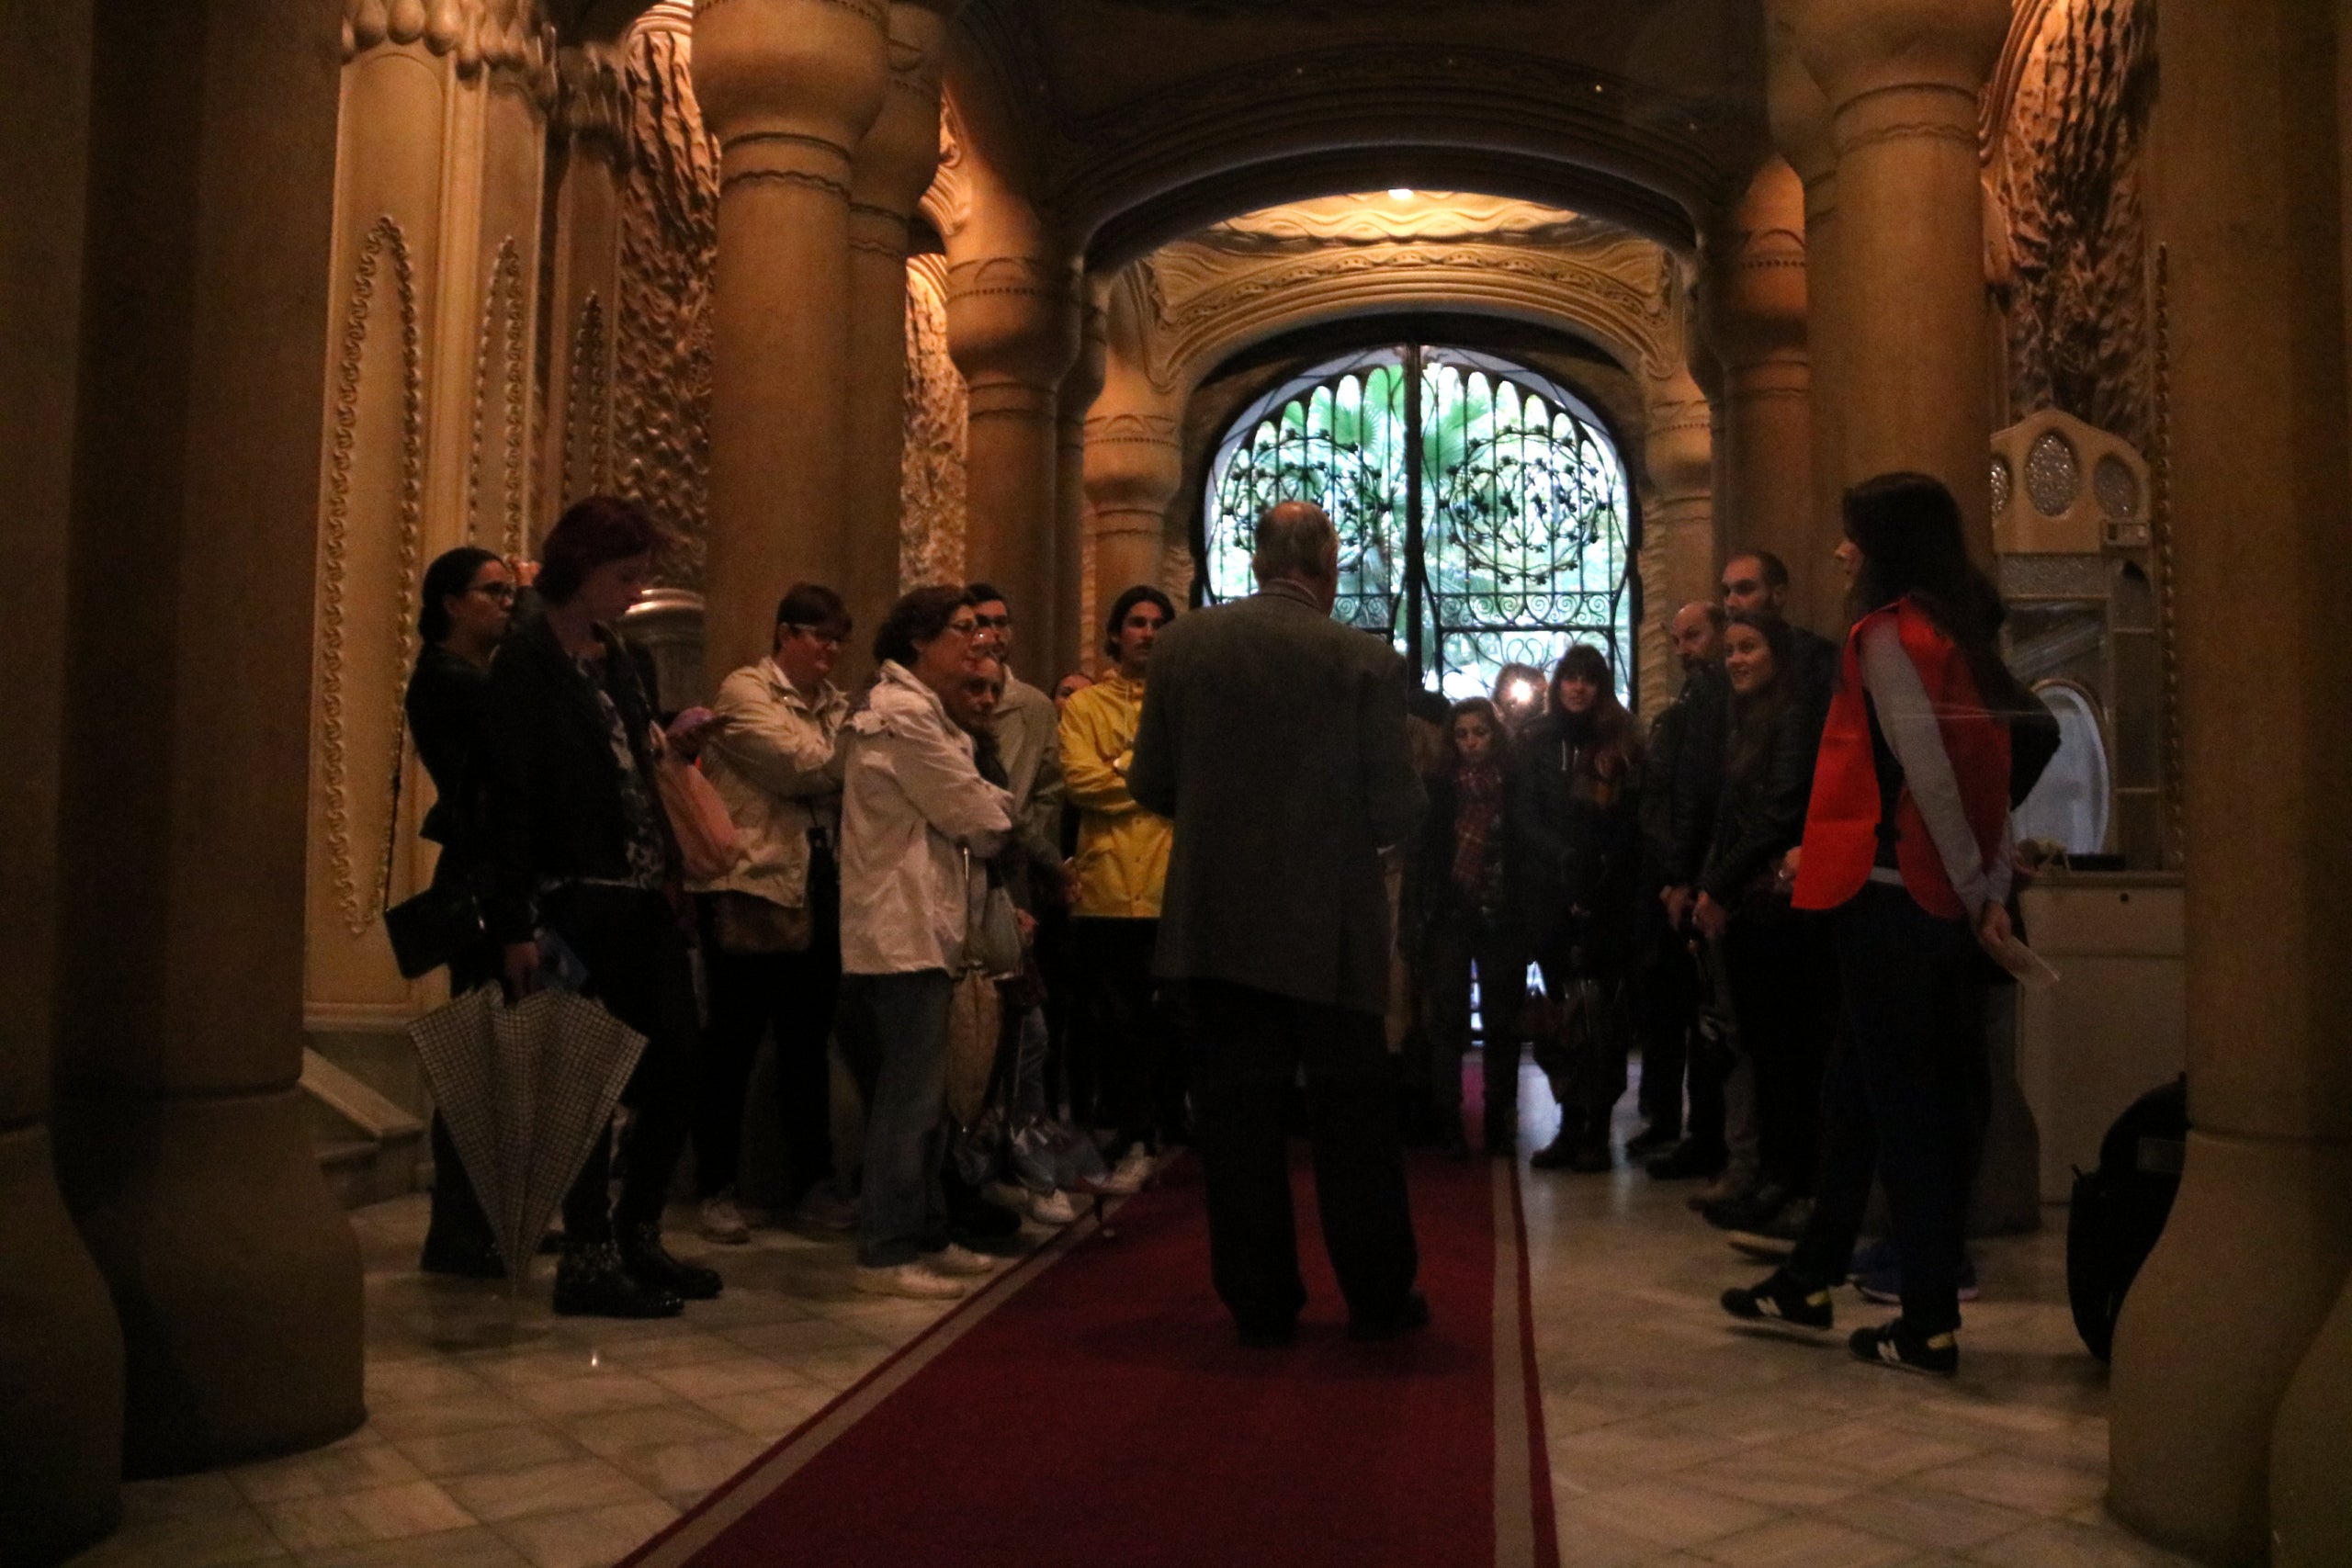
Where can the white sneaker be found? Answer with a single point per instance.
(1051, 1208)
(1133, 1169)
(722, 1222)
(915, 1280)
(954, 1260)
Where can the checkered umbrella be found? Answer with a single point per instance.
(526, 1090)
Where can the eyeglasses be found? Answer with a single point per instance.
(964, 625)
(820, 637)
(992, 623)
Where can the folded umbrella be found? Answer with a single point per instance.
(525, 1091)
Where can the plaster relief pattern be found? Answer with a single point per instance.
(932, 473)
(588, 407)
(383, 258)
(662, 348)
(508, 36)
(2074, 96)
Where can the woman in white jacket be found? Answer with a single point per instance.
(913, 803)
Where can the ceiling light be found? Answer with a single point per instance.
(1399, 192)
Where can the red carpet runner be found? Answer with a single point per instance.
(1092, 1408)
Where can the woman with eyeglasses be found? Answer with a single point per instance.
(469, 597)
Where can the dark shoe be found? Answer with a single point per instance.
(976, 1219)
(1451, 1144)
(1412, 1314)
(1897, 1345)
(461, 1258)
(1502, 1132)
(1592, 1159)
(1778, 1237)
(1752, 1213)
(1557, 1153)
(590, 1282)
(1651, 1140)
(650, 1263)
(1273, 1335)
(1781, 1300)
(1685, 1161)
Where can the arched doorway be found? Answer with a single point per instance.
(1484, 514)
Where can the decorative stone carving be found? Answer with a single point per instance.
(2083, 490)
(669, 249)
(593, 100)
(505, 36)
(587, 405)
(502, 391)
(931, 491)
(2070, 112)
(383, 258)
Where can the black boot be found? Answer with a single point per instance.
(590, 1282)
(1555, 1154)
(651, 1264)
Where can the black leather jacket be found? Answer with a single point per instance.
(555, 796)
(448, 713)
(1684, 770)
(1576, 836)
(1760, 816)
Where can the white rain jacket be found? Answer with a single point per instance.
(775, 760)
(912, 803)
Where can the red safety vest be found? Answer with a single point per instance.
(1841, 823)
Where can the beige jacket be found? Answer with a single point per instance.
(775, 760)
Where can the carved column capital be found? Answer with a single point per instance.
(1897, 70)
(790, 87)
(1752, 293)
(1800, 116)
(1678, 448)
(895, 164)
(1013, 328)
(592, 106)
(509, 37)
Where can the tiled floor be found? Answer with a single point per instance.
(501, 1436)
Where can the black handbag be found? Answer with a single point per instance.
(435, 926)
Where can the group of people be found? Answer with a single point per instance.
(1193, 883)
(1791, 894)
(950, 850)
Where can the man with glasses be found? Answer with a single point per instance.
(772, 954)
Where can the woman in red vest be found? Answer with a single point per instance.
(1906, 843)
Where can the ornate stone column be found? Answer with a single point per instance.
(1074, 404)
(1134, 452)
(591, 134)
(1800, 129)
(61, 1346)
(1901, 78)
(1752, 313)
(182, 1145)
(1013, 319)
(1678, 449)
(2252, 220)
(893, 167)
(789, 87)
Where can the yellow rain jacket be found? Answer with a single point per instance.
(1122, 848)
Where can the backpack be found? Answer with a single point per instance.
(2119, 1209)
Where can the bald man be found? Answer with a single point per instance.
(1275, 737)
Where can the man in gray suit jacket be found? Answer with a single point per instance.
(1275, 737)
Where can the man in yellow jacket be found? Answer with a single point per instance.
(1122, 866)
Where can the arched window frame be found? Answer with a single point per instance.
(1490, 505)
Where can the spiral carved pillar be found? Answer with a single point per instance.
(893, 167)
(1752, 313)
(1902, 79)
(1014, 324)
(2229, 1416)
(789, 88)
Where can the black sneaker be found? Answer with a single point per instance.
(1781, 1300)
(1752, 1213)
(1592, 1159)
(1555, 1154)
(590, 1282)
(1650, 1140)
(650, 1263)
(1897, 1345)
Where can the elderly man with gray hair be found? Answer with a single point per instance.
(1275, 737)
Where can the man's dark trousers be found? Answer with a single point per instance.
(1247, 1046)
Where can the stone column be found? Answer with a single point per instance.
(1901, 79)
(893, 167)
(591, 135)
(1013, 328)
(182, 1146)
(1073, 405)
(1752, 313)
(789, 88)
(60, 1347)
(2260, 1240)
(1678, 449)
(1800, 129)
(1135, 452)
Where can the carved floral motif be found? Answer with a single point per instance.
(505, 36)
(503, 387)
(931, 482)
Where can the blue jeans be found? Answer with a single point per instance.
(903, 1020)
